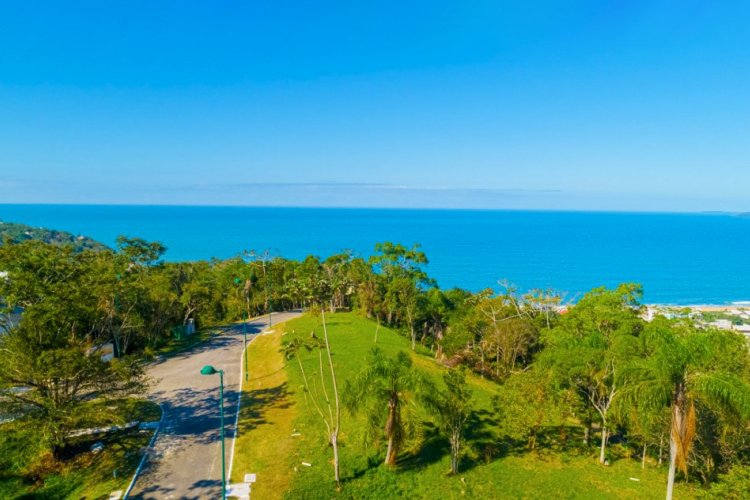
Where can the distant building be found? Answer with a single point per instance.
(723, 324)
(649, 314)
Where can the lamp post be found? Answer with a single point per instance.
(210, 370)
(270, 303)
(244, 333)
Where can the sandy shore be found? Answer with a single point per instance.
(706, 307)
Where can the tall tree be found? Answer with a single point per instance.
(50, 371)
(592, 345)
(454, 408)
(680, 368)
(403, 271)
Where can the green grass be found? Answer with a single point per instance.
(26, 471)
(265, 441)
(490, 469)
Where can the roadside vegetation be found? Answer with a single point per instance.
(28, 470)
(481, 385)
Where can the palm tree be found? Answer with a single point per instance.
(681, 366)
(396, 383)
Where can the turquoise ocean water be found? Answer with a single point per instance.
(679, 258)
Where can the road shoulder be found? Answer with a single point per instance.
(265, 445)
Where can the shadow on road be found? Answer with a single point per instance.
(229, 335)
(195, 413)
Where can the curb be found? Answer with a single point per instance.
(239, 406)
(145, 454)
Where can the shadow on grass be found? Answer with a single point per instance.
(434, 448)
(258, 402)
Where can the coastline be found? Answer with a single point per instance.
(733, 306)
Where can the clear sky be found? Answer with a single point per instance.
(607, 105)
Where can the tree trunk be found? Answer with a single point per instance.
(604, 444)
(390, 431)
(410, 318)
(672, 460)
(586, 433)
(661, 447)
(390, 458)
(337, 421)
(335, 444)
(455, 448)
(643, 457)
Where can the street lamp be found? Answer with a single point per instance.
(244, 333)
(210, 370)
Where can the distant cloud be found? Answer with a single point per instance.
(347, 194)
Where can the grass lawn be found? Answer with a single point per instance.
(25, 472)
(280, 430)
(266, 420)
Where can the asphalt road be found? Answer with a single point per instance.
(186, 459)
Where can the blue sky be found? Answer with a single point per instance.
(619, 105)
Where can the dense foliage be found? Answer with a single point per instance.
(18, 233)
(597, 364)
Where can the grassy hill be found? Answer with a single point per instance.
(18, 233)
(279, 430)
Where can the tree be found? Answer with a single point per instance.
(682, 367)
(454, 409)
(57, 386)
(50, 372)
(395, 383)
(404, 278)
(592, 344)
(645, 425)
(528, 401)
(331, 420)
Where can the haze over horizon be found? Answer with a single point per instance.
(569, 106)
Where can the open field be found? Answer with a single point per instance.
(279, 432)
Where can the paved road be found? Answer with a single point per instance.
(186, 460)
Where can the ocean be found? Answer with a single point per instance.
(678, 258)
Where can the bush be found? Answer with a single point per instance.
(735, 484)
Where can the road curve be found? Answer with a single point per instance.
(186, 459)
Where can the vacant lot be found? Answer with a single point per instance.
(280, 431)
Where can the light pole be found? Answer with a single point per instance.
(244, 334)
(210, 370)
(265, 258)
(270, 303)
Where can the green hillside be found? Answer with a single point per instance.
(18, 233)
(280, 431)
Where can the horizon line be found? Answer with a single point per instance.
(406, 208)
